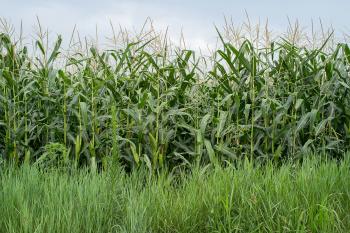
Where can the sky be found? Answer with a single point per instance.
(195, 19)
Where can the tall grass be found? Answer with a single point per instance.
(309, 197)
(159, 106)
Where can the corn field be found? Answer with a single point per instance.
(137, 105)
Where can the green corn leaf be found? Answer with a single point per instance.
(221, 124)
(210, 151)
(226, 151)
(298, 103)
(320, 127)
(204, 123)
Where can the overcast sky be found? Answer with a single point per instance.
(196, 18)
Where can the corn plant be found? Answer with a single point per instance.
(164, 107)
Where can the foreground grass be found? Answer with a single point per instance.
(312, 197)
